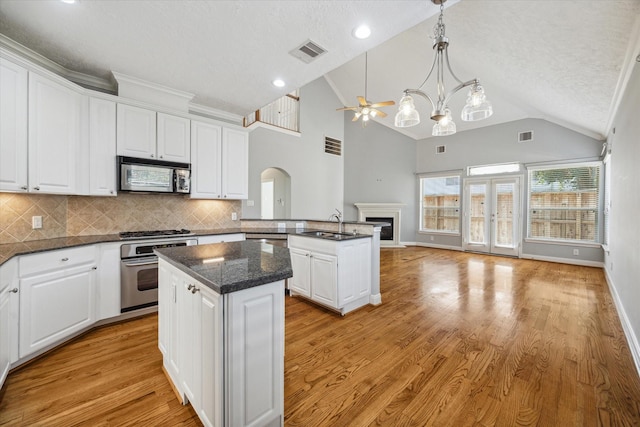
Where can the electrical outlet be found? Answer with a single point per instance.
(282, 225)
(36, 222)
(576, 251)
(234, 216)
(299, 226)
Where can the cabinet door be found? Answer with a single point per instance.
(211, 396)
(254, 375)
(54, 306)
(235, 164)
(324, 279)
(206, 165)
(102, 147)
(108, 281)
(301, 266)
(13, 127)
(57, 136)
(5, 332)
(174, 138)
(165, 301)
(189, 339)
(136, 132)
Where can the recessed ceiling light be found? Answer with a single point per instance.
(362, 32)
(278, 83)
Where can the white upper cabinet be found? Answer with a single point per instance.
(57, 136)
(174, 138)
(102, 147)
(235, 164)
(146, 134)
(13, 127)
(220, 162)
(206, 167)
(136, 136)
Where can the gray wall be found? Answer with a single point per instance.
(498, 144)
(622, 262)
(379, 167)
(316, 178)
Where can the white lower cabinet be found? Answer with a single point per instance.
(223, 353)
(57, 296)
(336, 274)
(221, 238)
(9, 300)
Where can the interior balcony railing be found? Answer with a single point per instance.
(283, 113)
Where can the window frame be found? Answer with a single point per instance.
(421, 207)
(598, 232)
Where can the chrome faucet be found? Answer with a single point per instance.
(338, 218)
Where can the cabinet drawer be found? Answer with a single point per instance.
(52, 260)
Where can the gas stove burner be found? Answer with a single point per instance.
(154, 233)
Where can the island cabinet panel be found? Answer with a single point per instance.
(301, 264)
(255, 356)
(224, 354)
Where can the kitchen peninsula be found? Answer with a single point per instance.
(221, 329)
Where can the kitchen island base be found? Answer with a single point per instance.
(223, 353)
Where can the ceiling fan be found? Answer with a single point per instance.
(366, 109)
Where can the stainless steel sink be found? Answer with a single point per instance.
(327, 235)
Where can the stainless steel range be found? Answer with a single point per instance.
(139, 265)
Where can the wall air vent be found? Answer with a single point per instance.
(308, 51)
(525, 136)
(332, 146)
(440, 149)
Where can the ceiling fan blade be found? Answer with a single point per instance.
(382, 104)
(362, 101)
(356, 117)
(347, 108)
(379, 113)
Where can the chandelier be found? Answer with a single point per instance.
(476, 108)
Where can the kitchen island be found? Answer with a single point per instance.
(221, 329)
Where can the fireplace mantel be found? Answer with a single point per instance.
(390, 210)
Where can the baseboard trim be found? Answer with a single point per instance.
(634, 345)
(375, 299)
(572, 261)
(436, 246)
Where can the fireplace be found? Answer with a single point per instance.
(383, 212)
(386, 233)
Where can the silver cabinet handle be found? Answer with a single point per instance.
(161, 157)
(152, 155)
(36, 188)
(24, 187)
(190, 287)
(194, 290)
(110, 191)
(94, 268)
(14, 290)
(65, 259)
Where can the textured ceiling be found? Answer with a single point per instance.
(225, 52)
(558, 60)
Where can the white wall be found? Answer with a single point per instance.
(317, 179)
(379, 166)
(498, 144)
(622, 262)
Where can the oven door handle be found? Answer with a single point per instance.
(139, 263)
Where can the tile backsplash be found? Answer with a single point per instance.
(83, 215)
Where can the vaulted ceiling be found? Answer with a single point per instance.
(564, 61)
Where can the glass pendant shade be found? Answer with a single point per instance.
(477, 106)
(407, 115)
(445, 126)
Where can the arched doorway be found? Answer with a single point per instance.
(275, 194)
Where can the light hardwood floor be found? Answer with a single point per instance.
(460, 340)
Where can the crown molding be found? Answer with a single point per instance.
(81, 79)
(203, 110)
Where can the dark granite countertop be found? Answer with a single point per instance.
(9, 250)
(231, 267)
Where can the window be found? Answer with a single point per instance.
(493, 169)
(440, 203)
(564, 202)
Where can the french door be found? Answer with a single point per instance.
(492, 215)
